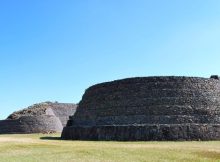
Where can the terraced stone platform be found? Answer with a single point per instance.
(148, 108)
(47, 117)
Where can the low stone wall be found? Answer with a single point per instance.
(123, 104)
(31, 124)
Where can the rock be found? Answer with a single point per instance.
(215, 77)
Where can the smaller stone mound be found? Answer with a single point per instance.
(46, 117)
(34, 110)
(31, 124)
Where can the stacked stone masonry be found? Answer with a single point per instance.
(148, 108)
(45, 117)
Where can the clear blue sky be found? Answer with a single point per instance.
(54, 50)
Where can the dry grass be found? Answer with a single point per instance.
(38, 148)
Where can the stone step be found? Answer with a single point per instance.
(145, 132)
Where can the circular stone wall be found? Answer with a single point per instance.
(31, 124)
(148, 108)
(46, 117)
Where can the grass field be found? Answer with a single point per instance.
(43, 148)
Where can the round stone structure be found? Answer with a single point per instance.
(46, 117)
(148, 108)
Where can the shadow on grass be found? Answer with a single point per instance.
(214, 155)
(50, 138)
